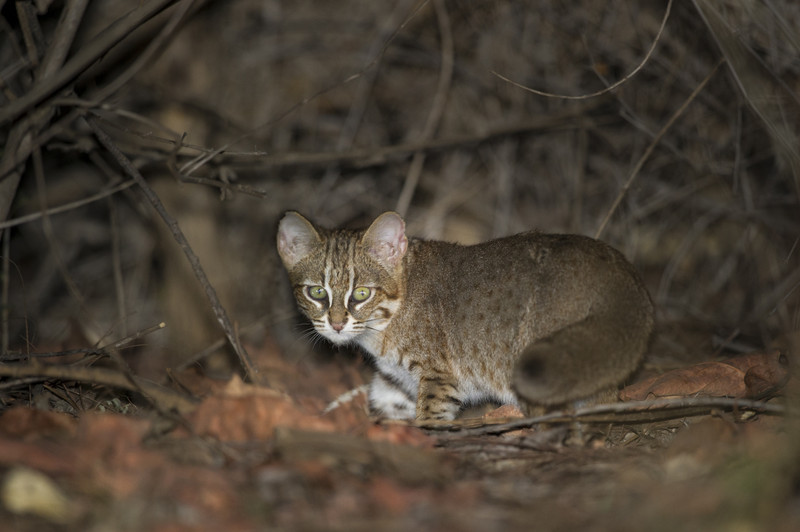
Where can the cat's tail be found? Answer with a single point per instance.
(587, 358)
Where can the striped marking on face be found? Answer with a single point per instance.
(351, 277)
(339, 270)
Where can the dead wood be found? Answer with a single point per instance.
(166, 399)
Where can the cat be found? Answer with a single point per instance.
(531, 319)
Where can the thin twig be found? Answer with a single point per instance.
(160, 395)
(25, 135)
(116, 264)
(360, 99)
(145, 57)
(625, 412)
(47, 229)
(557, 121)
(762, 93)
(566, 119)
(9, 384)
(377, 155)
(102, 350)
(238, 187)
(257, 324)
(193, 165)
(646, 155)
(32, 217)
(194, 261)
(437, 107)
(5, 257)
(611, 87)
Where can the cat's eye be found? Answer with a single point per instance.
(361, 293)
(317, 293)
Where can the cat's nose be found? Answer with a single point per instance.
(337, 326)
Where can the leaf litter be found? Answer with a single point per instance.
(249, 457)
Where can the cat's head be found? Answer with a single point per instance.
(346, 282)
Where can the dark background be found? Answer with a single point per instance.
(323, 106)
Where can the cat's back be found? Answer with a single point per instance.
(532, 280)
(516, 261)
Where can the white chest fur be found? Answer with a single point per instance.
(387, 360)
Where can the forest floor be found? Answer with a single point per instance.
(243, 457)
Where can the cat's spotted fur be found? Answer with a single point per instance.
(550, 318)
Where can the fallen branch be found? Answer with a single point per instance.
(164, 397)
(632, 412)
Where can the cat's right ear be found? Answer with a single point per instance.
(296, 238)
(386, 239)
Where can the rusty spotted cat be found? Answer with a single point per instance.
(534, 318)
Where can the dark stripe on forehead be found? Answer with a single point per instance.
(351, 256)
(340, 256)
(329, 247)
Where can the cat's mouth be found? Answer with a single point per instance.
(339, 337)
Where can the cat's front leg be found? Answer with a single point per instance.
(388, 399)
(437, 398)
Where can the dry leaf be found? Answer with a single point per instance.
(243, 412)
(22, 421)
(400, 434)
(750, 375)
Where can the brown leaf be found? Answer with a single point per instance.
(767, 375)
(243, 412)
(112, 455)
(749, 375)
(400, 434)
(45, 456)
(712, 379)
(395, 498)
(21, 422)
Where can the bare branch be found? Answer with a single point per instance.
(84, 58)
(437, 107)
(194, 261)
(646, 155)
(611, 87)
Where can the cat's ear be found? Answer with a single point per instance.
(296, 238)
(386, 239)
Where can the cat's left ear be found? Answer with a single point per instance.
(386, 240)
